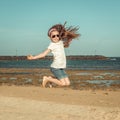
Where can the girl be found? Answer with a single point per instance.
(60, 37)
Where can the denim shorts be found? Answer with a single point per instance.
(59, 73)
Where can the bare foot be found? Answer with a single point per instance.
(44, 81)
(50, 85)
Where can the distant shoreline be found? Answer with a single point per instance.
(71, 57)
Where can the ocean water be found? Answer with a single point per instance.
(110, 64)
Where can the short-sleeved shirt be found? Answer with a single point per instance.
(57, 49)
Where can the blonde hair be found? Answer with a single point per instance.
(66, 34)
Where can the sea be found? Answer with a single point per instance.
(113, 63)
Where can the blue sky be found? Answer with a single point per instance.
(24, 25)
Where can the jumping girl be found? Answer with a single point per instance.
(60, 37)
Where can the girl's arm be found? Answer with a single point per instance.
(41, 55)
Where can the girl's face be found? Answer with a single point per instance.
(54, 36)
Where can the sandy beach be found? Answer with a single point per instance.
(35, 103)
(21, 100)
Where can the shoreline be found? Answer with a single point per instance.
(70, 57)
(80, 79)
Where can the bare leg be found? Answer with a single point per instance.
(67, 81)
(53, 80)
(44, 81)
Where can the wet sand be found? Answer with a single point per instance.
(23, 98)
(80, 79)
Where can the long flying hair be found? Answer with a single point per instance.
(67, 34)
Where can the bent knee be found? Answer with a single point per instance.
(68, 84)
(65, 84)
(67, 81)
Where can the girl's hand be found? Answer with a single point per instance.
(29, 57)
